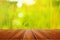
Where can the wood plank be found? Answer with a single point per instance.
(29, 34)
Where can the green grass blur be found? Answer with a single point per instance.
(44, 14)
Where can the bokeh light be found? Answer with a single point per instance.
(20, 15)
(29, 2)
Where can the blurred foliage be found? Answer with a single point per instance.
(44, 14)
(56, 2)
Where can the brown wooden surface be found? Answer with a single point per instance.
(29, 34)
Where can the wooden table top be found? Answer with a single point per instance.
(29, 34)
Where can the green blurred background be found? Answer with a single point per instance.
(44, 14)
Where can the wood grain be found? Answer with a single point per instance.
(29, 34)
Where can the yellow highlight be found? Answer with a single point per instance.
(16, 22)
(29, 2)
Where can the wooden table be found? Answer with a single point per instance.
(29, 34)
